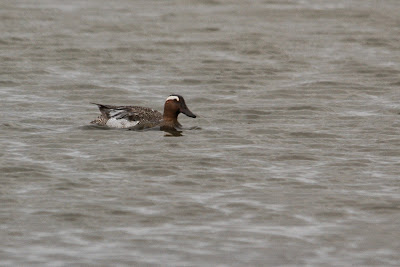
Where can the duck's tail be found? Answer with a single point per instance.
(101, 105)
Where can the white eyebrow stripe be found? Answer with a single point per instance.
(172, 97)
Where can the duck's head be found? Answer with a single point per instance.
(175, 104)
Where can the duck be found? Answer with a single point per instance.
(136, 117)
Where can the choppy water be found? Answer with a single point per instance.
(294, 159)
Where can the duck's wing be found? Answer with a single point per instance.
(129, 113)
(117, 112)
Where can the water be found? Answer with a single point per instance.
(293, 160)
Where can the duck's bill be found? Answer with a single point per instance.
(187, 112)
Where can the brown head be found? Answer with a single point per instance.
(174, 105)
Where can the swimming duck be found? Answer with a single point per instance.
(142, 117)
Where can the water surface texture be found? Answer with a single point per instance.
(294, 158)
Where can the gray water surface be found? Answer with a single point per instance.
(294, 158)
